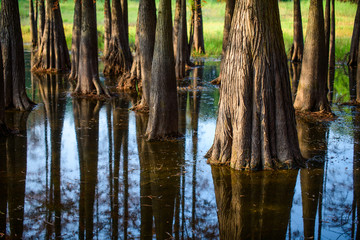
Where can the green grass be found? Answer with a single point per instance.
(213, 19)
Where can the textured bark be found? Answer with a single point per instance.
(163, 117)
(295, 71)
(256, 122)
(53, 54)
(86, 115)
(312, 90)
(13, 57)
(119, 59)
(331, 73)
(327, 30)
(75, 45)
(182, 56)
(298, 45)
(41, 20)
(107, 27)
(147, 27)
(176, 25)
(198, 28)
(124, 14)
(229, 12)
(88, 75)
(3, 129)
(355, 39)
(33, 24)
(253, 205)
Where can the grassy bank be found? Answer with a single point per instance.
(213, 18)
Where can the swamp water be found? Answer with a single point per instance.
(81, 169)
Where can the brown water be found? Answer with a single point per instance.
(81, 169)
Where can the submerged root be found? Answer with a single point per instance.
(321, 116)
(129, 83)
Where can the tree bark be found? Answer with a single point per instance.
(107, 27)
(229, 12)
(53, 54)
(88, 75)
(182, 56)
(298, 45)
(124, 14)
(355, 39)
(41, 20)
(33, 24)
(198, 28)
(75, 45)
(312, 89)
(3, 129)
(358, 78)
(331, 73)
(176, 25)
(13, 57)
(163, 117)
(327, 30)
(256, 122)
(147, 27)
(119, 59)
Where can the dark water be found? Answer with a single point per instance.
(81, 169)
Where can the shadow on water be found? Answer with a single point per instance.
(81, 169)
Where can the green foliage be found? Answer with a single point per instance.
(213, 19)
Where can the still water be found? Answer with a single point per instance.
(81, 169)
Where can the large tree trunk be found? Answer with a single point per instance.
(163, 118)
(312, 90)
(298, 45)
(355, 39)
(198, 28)
(331, 72)
(75, 45)
(53, 54)
(256, 122)
(119, 59)
(41, 20)
(13, 57)
(33, 24)
(3, 129)
(327, 30)
(182, 56)
(107, 27)
(124, 14)
(147, 27)
(88, 75)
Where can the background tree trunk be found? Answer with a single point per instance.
(176, 25)
(327, 30)
(163, 117)
(33, 24)
(355, 39)
(41, 21)
(182, 56)
(119, 59)
(147, 27)
(198, 28)
(53, 54)
(13, 57)
(312, 89)
(3, 129)
(255, 128)
(229, 12)
(124, 14)
(107, 27)
(75, 45)
(331, 73)
(298, 45)
(88, 76)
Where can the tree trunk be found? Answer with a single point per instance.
(295, 71)
(88, 75)
(13, 57)
(147, 27)
(75, 45)
(124, 14)
(355, 39)
(256, 122)
(119, 59)
(107, 27)
(327, 30)
(298, 45)
(331, 73)
(3, 129)
(41, 20)
(53, 54)
(176, 25)
(358, 78)
(312, 90)
(198, 28)
(163, 117)
(182, 56)
(33, 24)
(229, 12)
